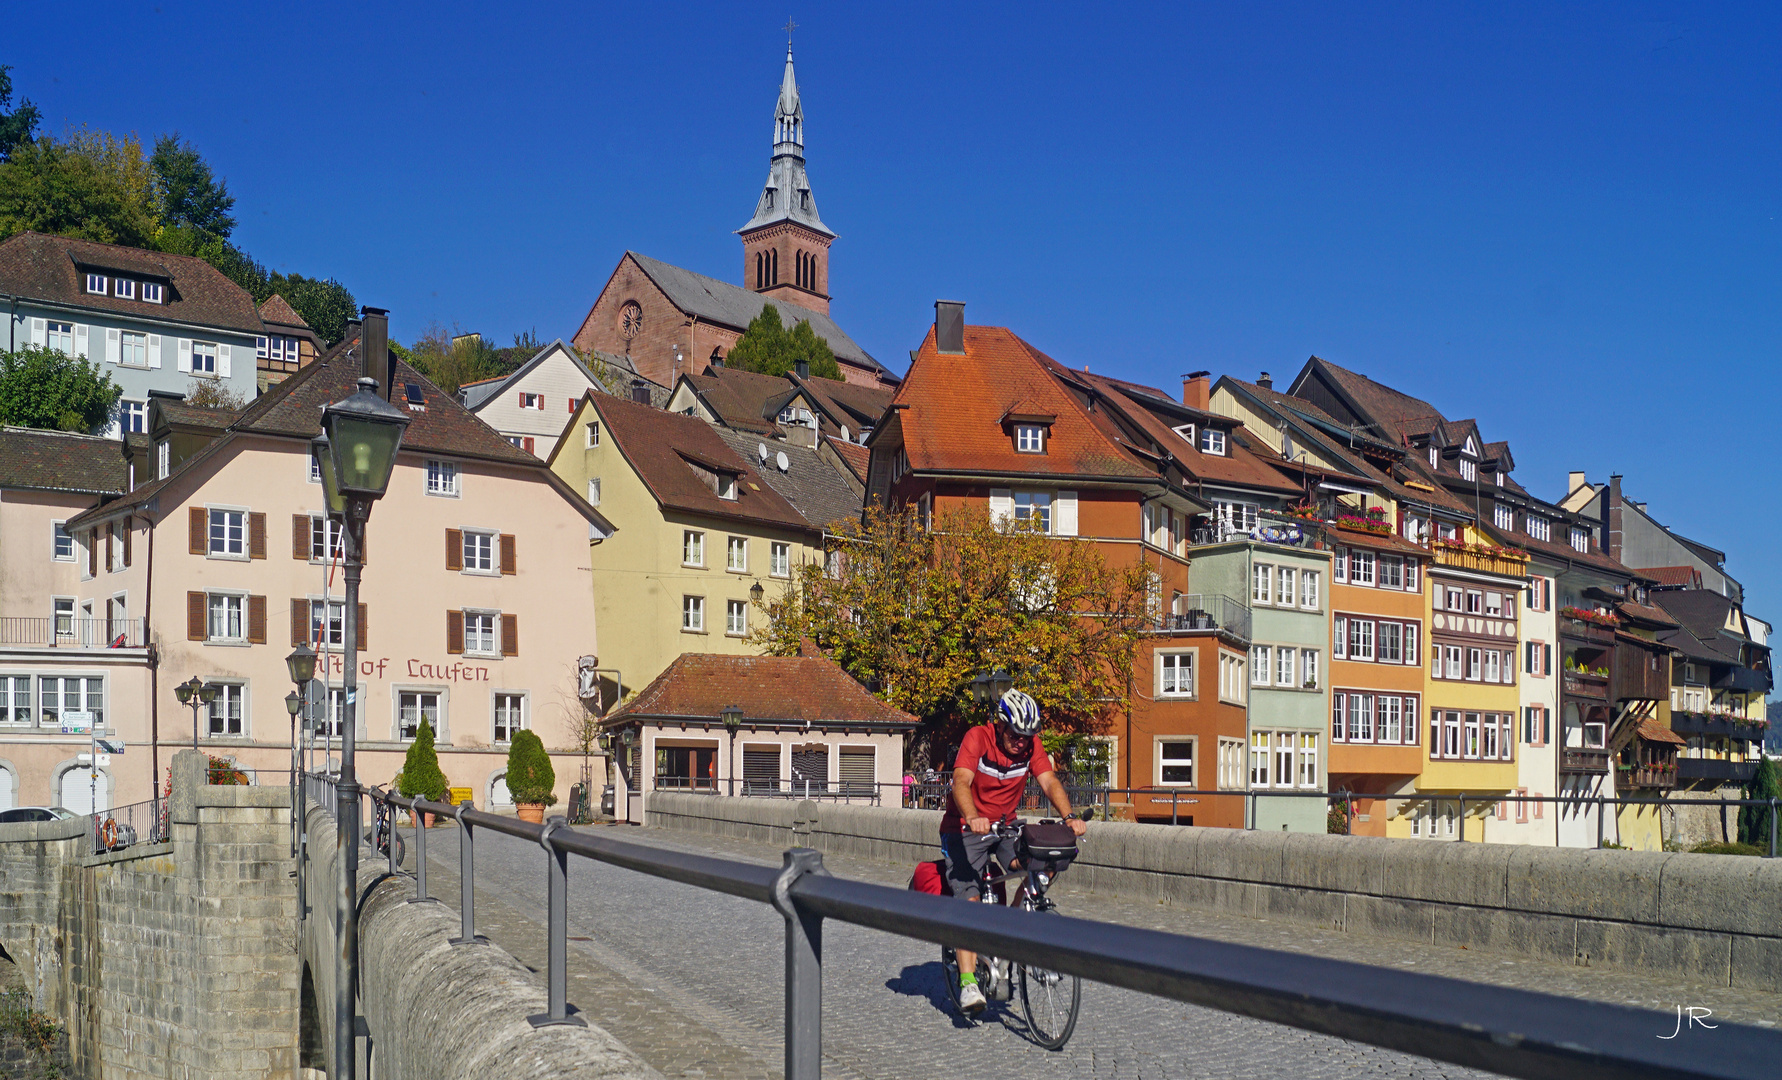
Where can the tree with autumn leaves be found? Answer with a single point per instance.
(915, 612)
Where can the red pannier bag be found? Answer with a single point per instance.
(931, 878)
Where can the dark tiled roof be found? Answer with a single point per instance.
(810, 483)
(1241, 466)
(53, 268)
(1700, 611)
(1645, 613)
(276, 310)
(765, 688)
(734, 307)
(658, 444)
(856, 406)
(58, 461)
(178, 413)
(1400, 413)
(740, 398)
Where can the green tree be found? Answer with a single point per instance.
(420, 769)
(451, 360)
(769, 348)
(17, 125)
(187, 194)
(325, 305)
(91, 186)
(917, 612)
(44, 388)
(1754, 821)
(530, 778)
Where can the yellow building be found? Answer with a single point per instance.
(701, 534)
(1471, 700)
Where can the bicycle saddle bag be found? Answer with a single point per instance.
(1048, 846)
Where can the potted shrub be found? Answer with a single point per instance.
(420, 773)
(530, 779)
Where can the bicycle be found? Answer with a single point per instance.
(383, 829)
(1049, 999)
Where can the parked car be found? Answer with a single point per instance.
(35, 813)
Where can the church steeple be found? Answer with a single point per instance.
(786, 228)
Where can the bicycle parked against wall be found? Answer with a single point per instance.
(1049, 999)
(383, 831)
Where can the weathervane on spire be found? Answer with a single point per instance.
(788, 28)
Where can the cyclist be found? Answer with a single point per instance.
(989, 776)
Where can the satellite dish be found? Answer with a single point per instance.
(761, 451)
(782, 461)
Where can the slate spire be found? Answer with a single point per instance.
(787, 194)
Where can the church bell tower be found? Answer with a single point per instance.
(786, 245)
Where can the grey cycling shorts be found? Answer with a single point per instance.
(967, 856)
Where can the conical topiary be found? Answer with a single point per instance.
(1754, 821)
(420, 772)
(530, 778)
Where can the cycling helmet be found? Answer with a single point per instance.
(1020, 712)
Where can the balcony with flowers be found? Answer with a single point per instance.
(1483, 558)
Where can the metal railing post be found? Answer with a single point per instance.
(1599, 821)
(390, 836)
(557, 935)
(1348, 815)
(1772, 853)
(1172, 804)
(1252, 822)
(804, 969)
(1460, 831)
(467, 883)
(422, 896)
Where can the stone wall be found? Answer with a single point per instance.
(1714, 918)
(172, 959)
(434, 1010)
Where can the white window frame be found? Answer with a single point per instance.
(59, 536)
(1308, 759)
(98, 284)
(1469, 469)
(1538, 527)
(210, 536)
(1308, 590)
(1580, 539)
(1501, 514)
(151, 292)
(123, 288)
(1234, 687)
(692, 614)
(1231, 764)
(480, 554)
(504, 699)
(485, 646)
(333, 538)
(1212, 441)
(224, 606)
(593, 491)
(736, 554)
(1164, 761)
(321, 626)
(1389, 572)
(591, 435)
(210, 357)
(1286, 668)
(1361, 567)
(1286, 586)
(132, 416)
(1393, 633)
(1030, 438)
(693, 548)
(442, 478)
(1261, 659)
(399, 702)
(1029, 506)
(1308, 669)
(779, 559)
(1175, 673)
(727, 487)
(1262, 583)
(736, 618)
(1361, 639)
(59, 336)
(228, 693)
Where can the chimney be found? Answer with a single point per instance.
(374, 347)
(640, 391)
(1612, 517)
(1573, 481)
(803, 368)
(949, 327)
(1194, 390)
(1265, 382)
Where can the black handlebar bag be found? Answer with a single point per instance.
(1047, 846)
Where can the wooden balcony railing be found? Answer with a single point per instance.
(1488, 562)
(1653, 776)
(1583, 761)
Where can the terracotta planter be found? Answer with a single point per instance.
(533, 812)
(427, 818)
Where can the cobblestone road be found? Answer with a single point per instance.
(691, 980)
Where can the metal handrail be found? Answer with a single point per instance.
(1513, 1032)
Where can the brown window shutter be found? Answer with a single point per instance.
(256, 536)
(110, 558)
(195, 616)
(509, 561)
(126, 542)
(455, 632)
(198, 524)
(256, 614)
(92, 552)
(454, 549)
(363, 624)
(510, 635)
(300, 536)
(299, 621)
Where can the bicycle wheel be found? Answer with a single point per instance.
(950, 974)
(1050, 999)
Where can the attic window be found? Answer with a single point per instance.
(722, 484)
(1581, 539)
(1186, 431)
(417, 402)
(123, 288)
(1469, 470)
(1030, 438)
(727, 487)
(1433, 457)
(151, 293)
(1499, 476)
(96, 284)
(1212, 441)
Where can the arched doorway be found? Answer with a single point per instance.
(77, 790)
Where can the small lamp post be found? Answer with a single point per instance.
(355, 454)
(756, 592)
(733, 718)
(197, 694)
(987, 687)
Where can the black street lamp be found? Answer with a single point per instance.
(355, 454)
(198, 694)
(756, 592)
(987, 687)
(733, 718)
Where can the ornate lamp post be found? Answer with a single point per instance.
(198, 694)
(987, 687)
(733, 718)
(355, 454)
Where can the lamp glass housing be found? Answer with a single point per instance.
(364, 434)
(208, 692)
(293, 703)
(756, 592)
(322, 451)
(184, 692)
(302, 664)
(733, 717)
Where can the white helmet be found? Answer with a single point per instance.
(1020, 712)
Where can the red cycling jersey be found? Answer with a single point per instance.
(997, 779)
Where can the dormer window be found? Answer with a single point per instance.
(151, 293)
(1581, 539)
(96, 284)
(767, 199)
(1212, 441)
(1498, 475)
(727, 487)
(1468, 470)
(1186, 431)
(1434, 458)
(1030, 438)
(123, 288)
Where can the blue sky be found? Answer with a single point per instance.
(1560, 221)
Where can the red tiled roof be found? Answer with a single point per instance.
(1685, 576)
(658, 445)
(1652, 731)
(34, 266)
(954, 405)
(60, 461)
(1646, 613)
(1241, 465)
(766, 688)
(853, 455)
(740, 397)
(276, 310)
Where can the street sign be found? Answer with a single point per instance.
(83, 759)
(104, 761)
(111, 746)
(77, 723)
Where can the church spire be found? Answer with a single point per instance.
(788, 114)
(786, 245)
(787, 194)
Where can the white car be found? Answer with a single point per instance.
(36, 813)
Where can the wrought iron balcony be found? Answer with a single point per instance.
(64, 632)
(1210, 611)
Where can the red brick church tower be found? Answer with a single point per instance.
(786, 245)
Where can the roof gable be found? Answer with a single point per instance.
(52, 269)
(785, 689)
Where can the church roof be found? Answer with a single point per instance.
(733, 306)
